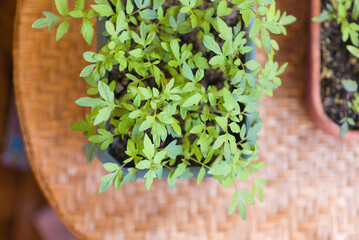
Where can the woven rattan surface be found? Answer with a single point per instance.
(313, 179)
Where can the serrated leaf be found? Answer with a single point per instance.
(103, 115)
(222, 122)
(148, 14)
(105, 92)
(80, 125)
(175, 49)
(193, 100)
(179, 170)
(222, 169)
(87, 30)
(187, 72)
(149, 176)
(353, 50)
(211, 44)
(148, 147)
(91, 151)
(173, 150)
(51, 20)
(107, 182)
(219, 142)
(159, 156)
(111, 167)
(87, 71)
(266, 40)
(222, 9)
(201, 174)
(103, 10)
(62, 7)
(143, 164)
(62, 29)
(253, 64)
(242, 209)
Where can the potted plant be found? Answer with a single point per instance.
(333, 96)
(175, 88)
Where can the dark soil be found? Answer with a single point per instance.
(337, 64)
(212, 77)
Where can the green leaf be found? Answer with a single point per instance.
(80, 5)
(143, 164)
(148, 148)
(111, 167)
(234, 127)
(219, 142)
(62, 29)
(103, 115)
(234, 203)
(137, 53)
(149, 176)
(226, 32)
(87, 71)
(171, 182)
(211, 44)
(173, 150)
(97, 138)
(129, 7)
(105, 92)
(88, 102)
(148, 14)
(181, 168)
(255, 28)
(350, 85)
(175, 49)
(80, 125)
(135, 114)
(103, 10)
(200, 176)
(159, 156)
(51, 20)
(62, 7)
(344, 128)
(193, 100)
(253, 65)
(266, 40)
(158, 3)
(118, 180)
(222, 9)
(110, 28)
(107, 182)
(242, 209)
(286, 20)
(187, 72)
(87, 30)
(222, 169)
(353, 50)
(229, 102)
(222, 122)
(91, 151)
(132, 175)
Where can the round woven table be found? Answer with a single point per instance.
(313, 179)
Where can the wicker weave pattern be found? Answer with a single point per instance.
(313, 187)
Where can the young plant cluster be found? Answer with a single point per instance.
(169, 116)
(346, 13)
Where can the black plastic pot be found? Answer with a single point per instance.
(106, 157)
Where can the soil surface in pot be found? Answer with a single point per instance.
(337, 64)
(211, 77)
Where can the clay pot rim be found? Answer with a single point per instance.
(314, 102)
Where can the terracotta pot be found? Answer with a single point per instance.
(314, 101)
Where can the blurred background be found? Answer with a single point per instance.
(24, 212)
